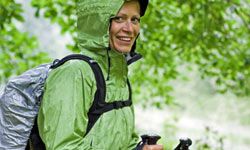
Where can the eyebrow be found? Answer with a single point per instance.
(123, 14)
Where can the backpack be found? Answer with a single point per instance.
(21, 99)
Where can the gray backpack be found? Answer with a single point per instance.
(19, 104)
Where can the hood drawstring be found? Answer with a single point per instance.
(109, 63)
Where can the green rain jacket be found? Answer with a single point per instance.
(70, 88)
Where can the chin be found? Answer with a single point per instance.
(123, 49)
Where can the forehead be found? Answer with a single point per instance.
(130, 7)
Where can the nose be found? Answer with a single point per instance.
(128, 27)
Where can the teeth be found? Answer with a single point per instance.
(124, 39)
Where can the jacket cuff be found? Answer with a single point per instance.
(139, 146)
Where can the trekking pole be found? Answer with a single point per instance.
(184, 144)
(147, 140)
(150, 139)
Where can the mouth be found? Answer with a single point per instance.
(124, 39)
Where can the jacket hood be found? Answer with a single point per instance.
(93, 23)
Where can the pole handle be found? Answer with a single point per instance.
(150, 139)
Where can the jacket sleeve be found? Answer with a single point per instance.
(62, 118)
(134, 142)
(134, 136)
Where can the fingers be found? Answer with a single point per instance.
(153, 147)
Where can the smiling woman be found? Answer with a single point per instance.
(71, 90)
(81, 104)
(125, 27)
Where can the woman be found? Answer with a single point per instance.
(107, 30)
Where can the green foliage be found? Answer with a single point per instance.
(17, 49)
(169, 133)
(212, 140)
(62, 12)
(213, 34)
(9, 11)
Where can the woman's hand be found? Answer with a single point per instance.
(152, 147)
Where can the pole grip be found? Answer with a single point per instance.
(150, 139)
(184, 144)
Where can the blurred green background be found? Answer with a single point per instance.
(193, 81)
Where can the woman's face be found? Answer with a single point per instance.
(125, 27)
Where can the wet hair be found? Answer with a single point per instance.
(143, 6)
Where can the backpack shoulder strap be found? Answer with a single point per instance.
(100, 93)
(98, 107)
(100, 82)
(35, 140)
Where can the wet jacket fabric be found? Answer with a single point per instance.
(70, 88)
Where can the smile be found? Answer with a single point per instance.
(124, 39)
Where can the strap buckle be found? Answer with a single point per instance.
(118, 105)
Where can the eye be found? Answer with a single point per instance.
(119, 19)
(135, 20)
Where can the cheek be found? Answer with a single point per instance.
(113, 29)
(112, 33)
(137, 30)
